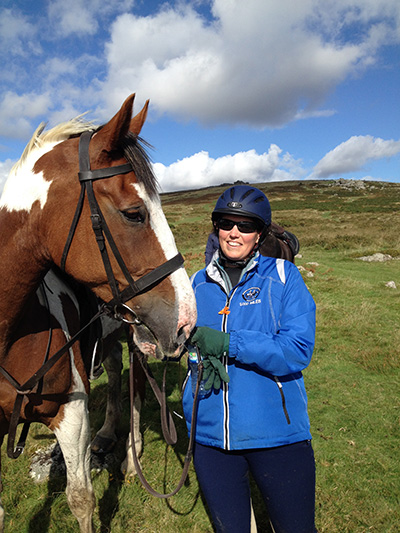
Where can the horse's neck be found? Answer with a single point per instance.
(22, 266)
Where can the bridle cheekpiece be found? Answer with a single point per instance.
(117, 306)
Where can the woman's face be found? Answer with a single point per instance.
(235, 245)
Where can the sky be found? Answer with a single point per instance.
(256, 91)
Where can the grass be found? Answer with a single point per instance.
(352, 382)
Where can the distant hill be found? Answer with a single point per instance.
(353, 217)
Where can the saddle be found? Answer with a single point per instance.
(91, 338)
(280, 243)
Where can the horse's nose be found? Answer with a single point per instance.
(187, 314)
(183, 333)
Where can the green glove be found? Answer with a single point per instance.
(214, 373)
(211, 341)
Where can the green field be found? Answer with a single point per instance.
(353, 381)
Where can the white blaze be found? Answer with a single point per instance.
(179, 278)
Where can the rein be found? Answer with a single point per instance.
(169, 434)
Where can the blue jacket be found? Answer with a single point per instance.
(270, 316)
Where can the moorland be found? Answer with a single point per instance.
(353, 381)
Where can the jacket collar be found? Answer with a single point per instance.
(216, 271)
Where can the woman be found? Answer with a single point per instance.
(255, 332)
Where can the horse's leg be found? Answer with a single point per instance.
(128, 467)
(73, 435)
(106, 437)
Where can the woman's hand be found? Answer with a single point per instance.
(214, 373)
(213, 344)
(211, 341)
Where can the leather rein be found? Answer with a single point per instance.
(115, 307)
(167, 423)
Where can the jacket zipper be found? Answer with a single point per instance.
(225, 387)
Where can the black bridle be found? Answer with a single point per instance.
(117, 306)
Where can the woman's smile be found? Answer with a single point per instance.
(235, 245)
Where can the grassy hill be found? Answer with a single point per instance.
(353, 380)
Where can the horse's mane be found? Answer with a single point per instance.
(133, 147)
(59, 133)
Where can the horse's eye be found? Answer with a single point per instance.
(135, 216)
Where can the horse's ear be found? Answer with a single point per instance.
(108, 137)
(138, 121)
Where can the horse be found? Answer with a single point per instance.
(108, 232)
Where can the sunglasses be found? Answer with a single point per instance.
(246, 226)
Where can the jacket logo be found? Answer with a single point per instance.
(251, 294)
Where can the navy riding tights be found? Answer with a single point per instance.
(285, 476)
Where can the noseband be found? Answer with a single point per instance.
(116, 306)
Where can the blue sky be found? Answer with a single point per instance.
(257, 90)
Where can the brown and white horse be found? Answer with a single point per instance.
(37, 208)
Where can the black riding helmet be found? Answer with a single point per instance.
(245, 201)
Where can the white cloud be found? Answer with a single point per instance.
(257, 63)
(81, 17)
(72, 17)
(17, 34)
(16, 112)
(353, 154)
(5, 167)
(201, 170)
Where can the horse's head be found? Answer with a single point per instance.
(131, 208)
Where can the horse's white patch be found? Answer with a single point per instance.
(73, 433)
(179, 278)
(76, 407)
(23, 186)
